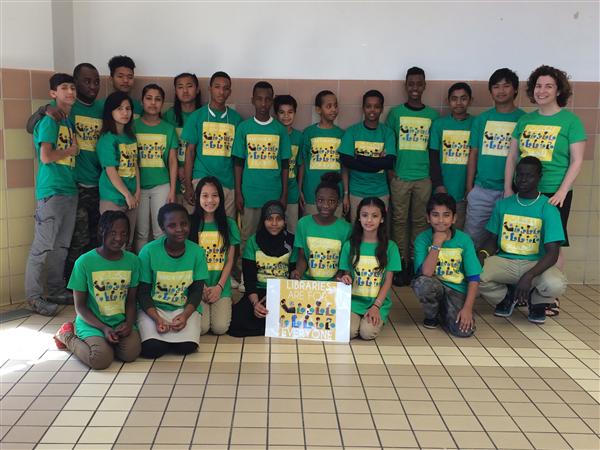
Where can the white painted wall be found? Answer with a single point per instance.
(26, 34)
(450, 40)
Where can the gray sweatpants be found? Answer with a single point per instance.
(480, 204)
(439, 299)
(54, 224)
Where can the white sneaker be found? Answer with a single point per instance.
(234, 283)
(241, 288)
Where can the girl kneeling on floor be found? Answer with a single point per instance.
(172, 276)
(104, 283)
(368, 262)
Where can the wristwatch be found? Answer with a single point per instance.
(435, 247)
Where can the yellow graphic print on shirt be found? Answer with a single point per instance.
(366, 277)
(262, 151)
(293, 161)
(170, 287)
(521, 235)
(181, 148)
(217, 139)
(128, 160)
(448, 265)
(369, 149)
(324, 153)
(539, 141)
(497, 138)
(414, 133)
(271, 266)
(323, 257)
(455, 147)
(110, 290)
(88, 131)
(151, 148)
(65, 138)
(212, 244)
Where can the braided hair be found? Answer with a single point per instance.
(107, 219)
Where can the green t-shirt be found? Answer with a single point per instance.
(88, 123)
(58, 177)
(549, 138)
(457, 259)
(450, 137)
(170, 277)
(524, 230)
(361, 141)
(169, 116)
(411, 128)
(366, 279)
(213, 133)
(107, 284)
(322, 245)
(267, 266)
(216, 255)
(295, 162)
(319, 155)
(118, 151)
(153, 146)
(491, 136)
(262, 146)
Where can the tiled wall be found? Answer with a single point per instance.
(22, 91)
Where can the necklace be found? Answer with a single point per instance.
(528, 204)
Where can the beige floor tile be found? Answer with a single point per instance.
(360, 438)
(24, 434)
(510, 440)
(419, 407)
(285, 420)
(137, 435)
(322, 437)
(58, 435)
(36, 418)
(144, 418)
(462, 423)
(286, 436)
(391, 422)
(453, 408)
(250, 419)
(174, 435)
(248, 436)
(547, 441)
(356, 421)
(320, 406)
(487, 408)
(184, 404)
(435, 439)
(251, 405)
(319, 421)
(214, 418)
(218, 404)
(582, 441)
(385, 407)
(150, 404)
(109, 419)
(555, 410)
(179, 419)
(394, 439)
(117, 404)
(472, 439)
(426, 422)
(352, 406)
(211, 436)
(288, 405)
(569, 425)
(100, 435)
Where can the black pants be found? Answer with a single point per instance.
(243, 321)
(153, 348)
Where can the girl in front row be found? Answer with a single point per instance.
(319, 238)
(268, 254)
(172, 276)
(218, 235)
(368, 262)
(104, 283)
(157, 145)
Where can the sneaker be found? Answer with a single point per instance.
(537, 313)
(397, 279)
(506, 307)
(241, 288)
(431, 323)
(234, 283)
(66, 328)
(43, 307)
(63, 298)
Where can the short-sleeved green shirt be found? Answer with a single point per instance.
(57, 177)
(107, 284)
(216, 255)
(549, 138)
(213, 133)
(154, 144)
(411, 128)
(262, 146)
(322, 245)
(491, 136)
(366, 279)
(319, 156)
(88, 123)
(361, 141)
(169, 116)
(524, 230)
(267, 266)
(457, 259)
(118, 151)
(171, 277)
(450, 137)
(295, 162)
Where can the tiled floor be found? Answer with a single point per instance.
(513, 386)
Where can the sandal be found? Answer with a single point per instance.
(553, 309)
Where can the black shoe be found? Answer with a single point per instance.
(397, 280)
(431, 323)
(506, 307)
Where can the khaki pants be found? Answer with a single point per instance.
(229, 195)
(151, 200)
(216, 316)
(361, 326)
(105, 205)
(310, 209)
(409, 199)
(355, 201)
(291, 217)
(97, 353)
(250, 220)
(500, 272)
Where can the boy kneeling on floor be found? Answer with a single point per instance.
(522, 247)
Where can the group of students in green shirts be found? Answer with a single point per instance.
(95, 153)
